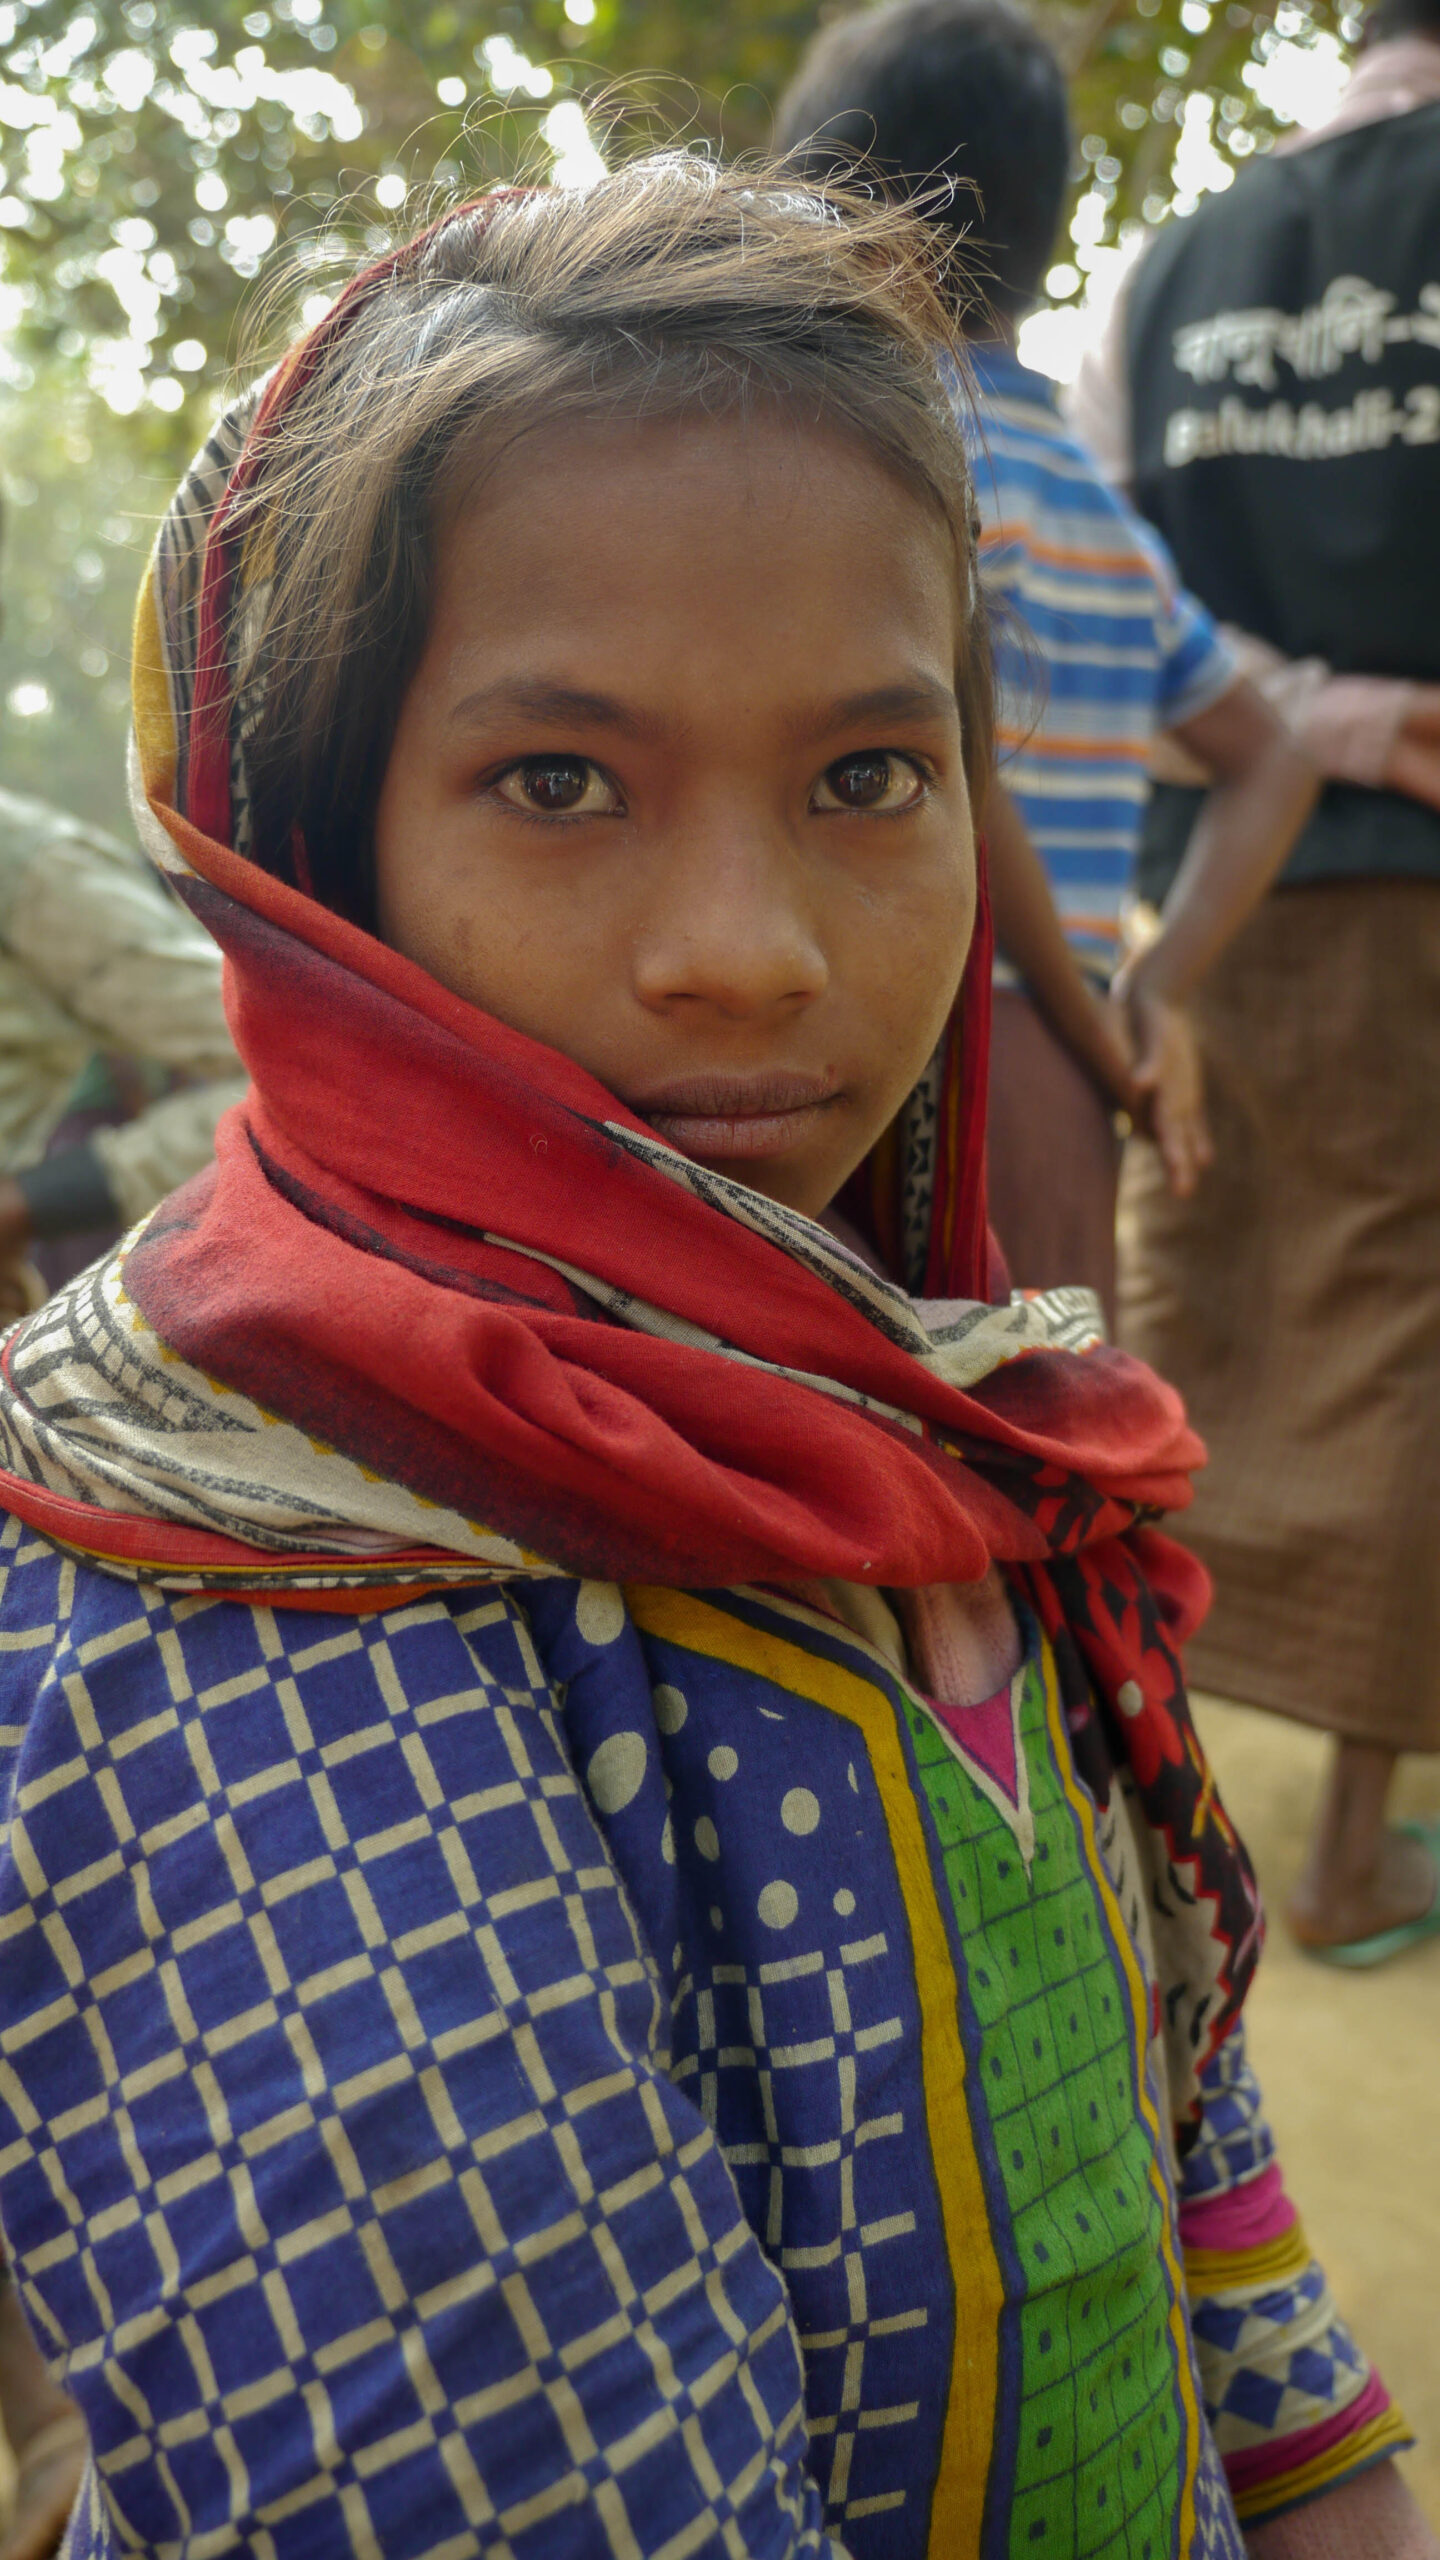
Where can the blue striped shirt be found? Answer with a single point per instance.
(1101, 647)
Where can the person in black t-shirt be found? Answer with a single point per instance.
(1269, 388)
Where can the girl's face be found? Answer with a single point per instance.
(677, 786)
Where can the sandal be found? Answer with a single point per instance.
(1358, 1954)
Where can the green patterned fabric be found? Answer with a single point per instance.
(1057, 2063)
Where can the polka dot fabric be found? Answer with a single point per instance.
(793, 2018)
(555, 2075)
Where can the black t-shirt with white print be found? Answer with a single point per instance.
(1284, 362)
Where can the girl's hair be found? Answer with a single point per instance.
(671, 287)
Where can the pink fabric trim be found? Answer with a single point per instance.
(986, 1734)
(962, 1639)
(1262, 2462)
(1244, 2219)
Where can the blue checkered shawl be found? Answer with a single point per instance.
(512, 2074)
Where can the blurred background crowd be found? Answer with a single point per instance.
(157, 156)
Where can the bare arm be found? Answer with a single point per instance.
(1264, 791)
(1030, 935)
(1413, 762)
(1373, 2517)
(1382, 732)
(1169, 1104)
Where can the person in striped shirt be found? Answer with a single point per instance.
(1099, 652)
(1126, 650)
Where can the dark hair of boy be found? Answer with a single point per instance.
(966, 90)
(1391, 18)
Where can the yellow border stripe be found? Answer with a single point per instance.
(677, 1617)
(1386, 2434)
(150, 692)
(1169, 2253)
(1270, 2262)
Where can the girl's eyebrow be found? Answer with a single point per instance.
(917, 699)
(556, 703)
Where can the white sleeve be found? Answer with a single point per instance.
(162, 1147)
(1097, 403)
(91, 923)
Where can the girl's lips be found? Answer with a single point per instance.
(713, 1117)
(770, 1133)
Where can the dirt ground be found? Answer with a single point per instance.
(1350, 2064)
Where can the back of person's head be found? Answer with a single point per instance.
(964, 90)
(1390, 18)
(672, 287)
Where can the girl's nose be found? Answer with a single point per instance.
(731, 925)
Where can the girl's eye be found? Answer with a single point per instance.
(877, 783)
(558, 787)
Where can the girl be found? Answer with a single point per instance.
(616, 1940)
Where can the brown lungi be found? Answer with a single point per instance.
(1053, 1158)
(1296, 1302)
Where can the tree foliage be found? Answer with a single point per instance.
(167, 164)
